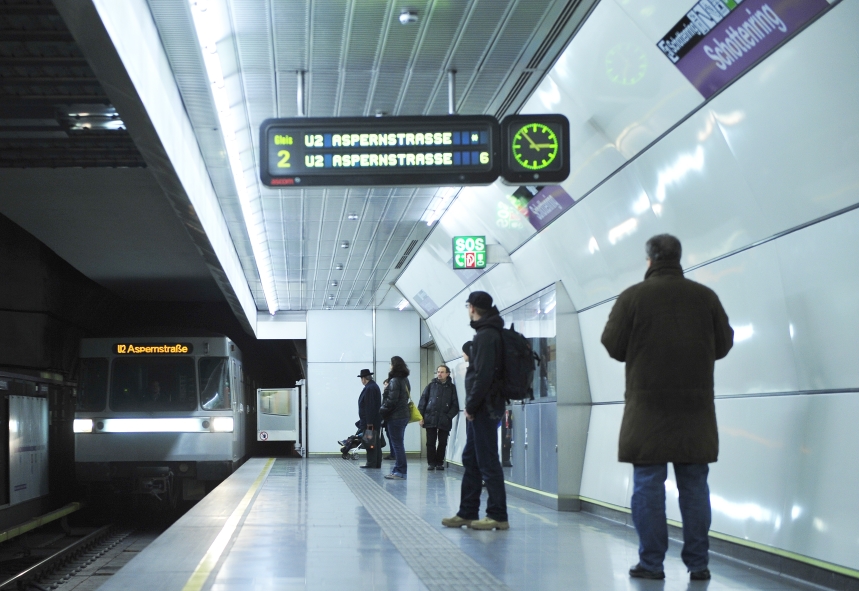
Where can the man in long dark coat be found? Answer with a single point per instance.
(369, 403)
(670, 331)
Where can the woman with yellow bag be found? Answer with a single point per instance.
(396, 411)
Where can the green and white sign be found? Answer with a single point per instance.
(469, 252)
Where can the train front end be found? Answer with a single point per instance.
(160, 418)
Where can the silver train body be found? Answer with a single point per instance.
(166, 417)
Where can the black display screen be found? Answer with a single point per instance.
(380, 151)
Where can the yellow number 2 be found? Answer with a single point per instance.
(284, 159)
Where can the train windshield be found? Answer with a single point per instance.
(92, 390)
(153, 384)
(215, 384)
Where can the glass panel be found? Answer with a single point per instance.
(215, 384)
(535, 319)
(92, 390)
(153, 384)
(275, 402)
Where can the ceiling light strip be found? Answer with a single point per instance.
(201, 10)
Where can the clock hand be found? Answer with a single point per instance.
(538, 146)
(530, 141)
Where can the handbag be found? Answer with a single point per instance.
(369, 437)
(414, 414)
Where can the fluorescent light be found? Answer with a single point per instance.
(402, 305)
(550, 307)
(223, 424)
(684, 164)
(743, 333)
(165, 425)
(82, 426)
(641, 204)
(624, 229)
(204, 23)
(445, 194)
(592, 245)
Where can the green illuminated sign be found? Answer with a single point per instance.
(469, 252)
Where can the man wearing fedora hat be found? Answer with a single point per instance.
(369, 403)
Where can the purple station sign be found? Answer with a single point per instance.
(717, 40)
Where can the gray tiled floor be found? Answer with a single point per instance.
(306, 529)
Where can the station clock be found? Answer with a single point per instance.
(536, 147)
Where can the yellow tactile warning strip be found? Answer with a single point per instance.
(213, 554)
(420, 544)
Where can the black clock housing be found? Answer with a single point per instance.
(516, 151)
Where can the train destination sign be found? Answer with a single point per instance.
(153, 348)
(536, 149)
(469, 252)
(380, 151)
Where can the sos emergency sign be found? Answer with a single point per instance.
(469, 252)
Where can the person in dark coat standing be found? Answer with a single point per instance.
(484, 407)
(396, 412)
(439, 405)
(369, 403)
(669, 331)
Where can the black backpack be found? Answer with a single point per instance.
(519, 361)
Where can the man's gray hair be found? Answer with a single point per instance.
(664, 247)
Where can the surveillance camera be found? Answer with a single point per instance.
(408, 16)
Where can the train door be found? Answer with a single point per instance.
(278, 414)
(238, 410)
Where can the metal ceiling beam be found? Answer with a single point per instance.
(47, 80)
(7, 35)
(43, 61)
(55, 98)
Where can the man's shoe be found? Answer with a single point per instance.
(700, 575)
(395, 476)
(389, 457)
(456, 521)
(638, 572)
(489, 523)
(366, 466)
(430, 468)
(440, 467)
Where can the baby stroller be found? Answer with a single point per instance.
(349, 447)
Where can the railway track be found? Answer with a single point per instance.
(74, 563)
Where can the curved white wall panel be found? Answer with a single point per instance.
(820, 271)
(740, 177)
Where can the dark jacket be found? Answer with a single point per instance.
(395, 399)
(669, 330)
(439, 404)
(368, 406)
(484, 364)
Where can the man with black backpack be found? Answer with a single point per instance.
(484, 407)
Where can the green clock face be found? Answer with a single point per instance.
(535, 146)
(625, 64)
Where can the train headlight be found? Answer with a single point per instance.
(223, 424)
(82, 426)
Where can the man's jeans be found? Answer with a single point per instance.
(480, 460)
(648, 514)
(396, 431)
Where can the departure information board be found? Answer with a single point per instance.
(380, 151)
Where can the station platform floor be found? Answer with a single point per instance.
(325, 524)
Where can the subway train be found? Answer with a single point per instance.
(162, 418)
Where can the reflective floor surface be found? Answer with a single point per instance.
(302, 526)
